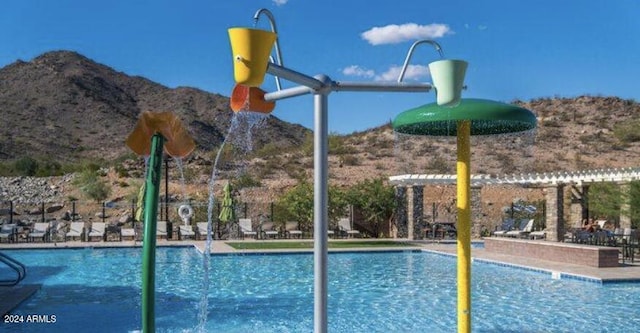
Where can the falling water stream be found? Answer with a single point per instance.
(242, 122)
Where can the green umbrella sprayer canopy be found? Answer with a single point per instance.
(486, 117)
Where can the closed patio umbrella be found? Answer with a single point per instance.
(227, 211)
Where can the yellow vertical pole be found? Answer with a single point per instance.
(464, 225)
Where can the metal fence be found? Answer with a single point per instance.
(122, 214)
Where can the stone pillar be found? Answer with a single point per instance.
(579, 208)
(410, 202)
(417, 223)
(625, 207)
(476, 211)
(399, 230)
(554, 195)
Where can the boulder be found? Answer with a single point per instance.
(54, 207)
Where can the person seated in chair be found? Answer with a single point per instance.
(608, 228)
(588, 225)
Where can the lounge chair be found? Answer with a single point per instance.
(291, 229)
(269, 230)
(126, 233)
(76, 229)
(506, 226)
(541, 234)
(201, 230)
(345, 226)
(246, 228)
(40, 230)
(8, 232)
(161, 229)
(525, 228)
(97, 230)
(57, 230)
(186, 231)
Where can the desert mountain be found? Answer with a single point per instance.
(65, 106)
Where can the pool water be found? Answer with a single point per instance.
(98, 290)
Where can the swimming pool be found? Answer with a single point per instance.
(98, 290)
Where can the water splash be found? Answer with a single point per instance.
(242, 123)
(183, 185)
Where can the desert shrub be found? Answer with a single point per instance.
(245, 180)
(5, 169)
(268, 150)
(551, 123)
(121, 171)
(26, 166)
(49, 168)
(437, 164)
(349, 160)
(92, 186)
(549, 134)
(307, 145)
(627, 132)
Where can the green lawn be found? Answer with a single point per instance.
(270, 245)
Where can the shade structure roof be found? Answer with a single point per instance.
(486, 116)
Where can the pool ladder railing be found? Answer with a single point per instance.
(18, 267)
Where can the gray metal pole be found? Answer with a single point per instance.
(320, 211)
(321, 86)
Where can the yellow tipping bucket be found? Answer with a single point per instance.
(250, 49)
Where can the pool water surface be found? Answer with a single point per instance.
(98, 290)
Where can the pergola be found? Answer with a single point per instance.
(410, 187)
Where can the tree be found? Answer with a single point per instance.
(608, 200)
(298, 204)
(375, 200)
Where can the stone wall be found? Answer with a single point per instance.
(587, 255)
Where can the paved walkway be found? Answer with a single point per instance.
(624, 272)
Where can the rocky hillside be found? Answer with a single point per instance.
(67, 107)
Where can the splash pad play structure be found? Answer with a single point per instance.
(251, 49)
(154, 133)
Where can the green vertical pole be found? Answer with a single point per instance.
(152, 190)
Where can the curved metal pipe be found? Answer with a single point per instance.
(272, 21)
(410, 53)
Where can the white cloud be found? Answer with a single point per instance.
(413, 72)
(280, 2)
(393, 33)
(355, 70)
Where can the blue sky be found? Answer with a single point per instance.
(515, 49)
